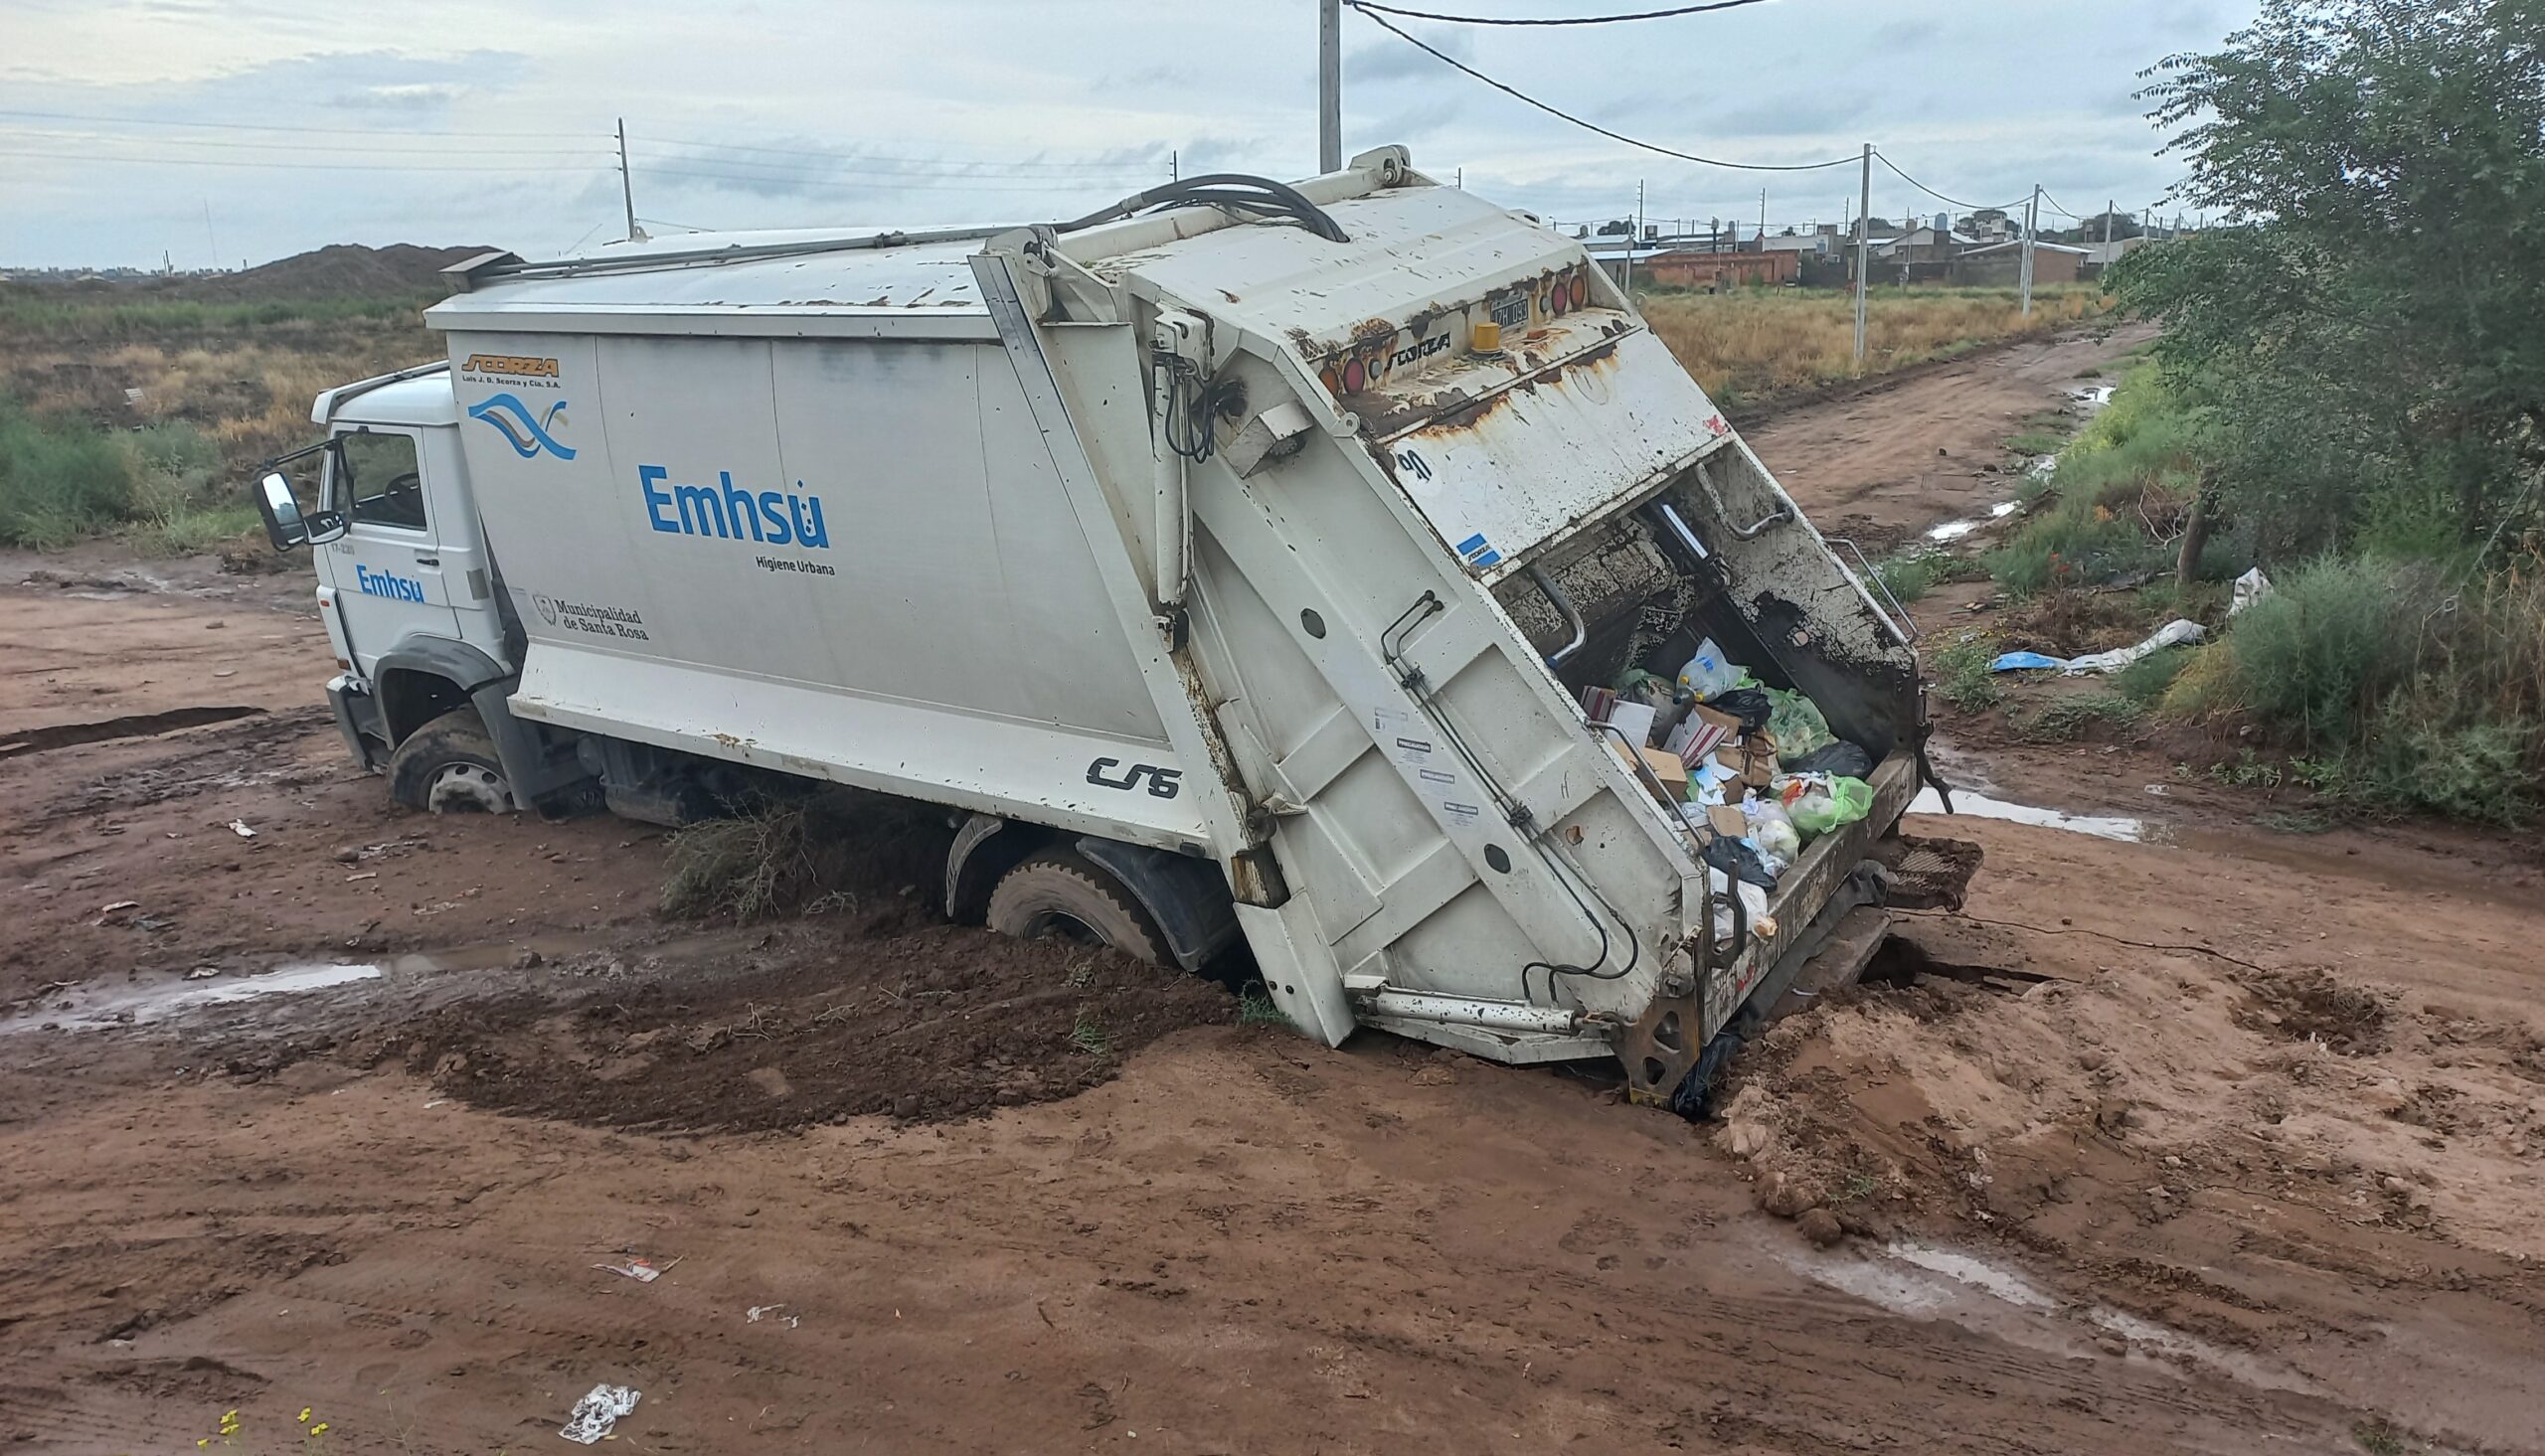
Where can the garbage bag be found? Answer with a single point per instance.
(1773, 832)
(1750, 705)
(1820, 802)
(1741, 859)
(2173, 634)
(1797, 726)
(1841, 759)
(2251, 588)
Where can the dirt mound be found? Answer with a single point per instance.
(929, 1025)
(2310, 1005)
(338, 270)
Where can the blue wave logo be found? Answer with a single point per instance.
(528, 435)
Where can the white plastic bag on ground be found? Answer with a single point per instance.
(2173, 634)
(2251, 588)
(597, 1411)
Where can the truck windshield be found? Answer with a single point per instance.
(378, 479)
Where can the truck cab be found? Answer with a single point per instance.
(407, 587)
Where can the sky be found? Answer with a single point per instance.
(216, 132)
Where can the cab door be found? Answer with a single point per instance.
(387, 568)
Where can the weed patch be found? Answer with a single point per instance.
(1962, 674)
(2068, 719)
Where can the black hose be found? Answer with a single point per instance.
(1207, 191)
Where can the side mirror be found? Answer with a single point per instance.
(285, 524)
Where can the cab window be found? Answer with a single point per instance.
(377, 480)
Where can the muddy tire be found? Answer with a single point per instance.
(450, 766)
(1059, 894)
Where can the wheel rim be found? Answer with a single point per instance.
(469, 788)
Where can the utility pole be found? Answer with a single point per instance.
(627, 186)
(1174, 171)
(1634, 239)
(1329, 85)
(1864, 238)
(1763, 220)
(2109, 205)
(1462, 183)
(2032, 219)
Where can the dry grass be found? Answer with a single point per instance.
(1746, 346)
(245, 383)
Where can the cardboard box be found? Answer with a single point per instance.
(1761, 766)
(1754, 758)
(1665, 767)
(1701, 731)
(1727, 820)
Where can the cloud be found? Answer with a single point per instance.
(1388, 58)
(1893, 37)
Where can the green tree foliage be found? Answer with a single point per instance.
(2366, 338)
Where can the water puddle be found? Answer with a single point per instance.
(1924, 1282)
(468, 969)
(1981, 806)
(144, 1005)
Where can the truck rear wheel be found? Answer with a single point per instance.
(1056, 893)
(450, 766)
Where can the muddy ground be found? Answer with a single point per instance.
(2197, 1138)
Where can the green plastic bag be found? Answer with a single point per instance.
(1797, 726)
(1816, 813)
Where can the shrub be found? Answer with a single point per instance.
(2146, 680)
(1912, 574)
(2317, 654)
(2121, 487)
(59, 480)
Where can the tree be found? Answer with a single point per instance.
(2366, 336)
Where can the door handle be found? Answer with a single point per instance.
(423, 560)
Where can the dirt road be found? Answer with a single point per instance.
(2207, 1141)
(1888, 460)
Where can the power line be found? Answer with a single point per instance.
(2063, 212)
(1938, 196)
(1559, 19)
(1390, 28)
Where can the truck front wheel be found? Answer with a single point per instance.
(450, 766)
(1056, 892)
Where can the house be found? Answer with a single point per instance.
(2101, 256)
(1819, 243)
(2000, 265)
(1923, 245)
(1718, 272)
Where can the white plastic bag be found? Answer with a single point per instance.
(1707, 673)
(2251, 588)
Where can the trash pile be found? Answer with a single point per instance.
(1753, 770)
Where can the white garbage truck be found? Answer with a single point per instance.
(1230, 564)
